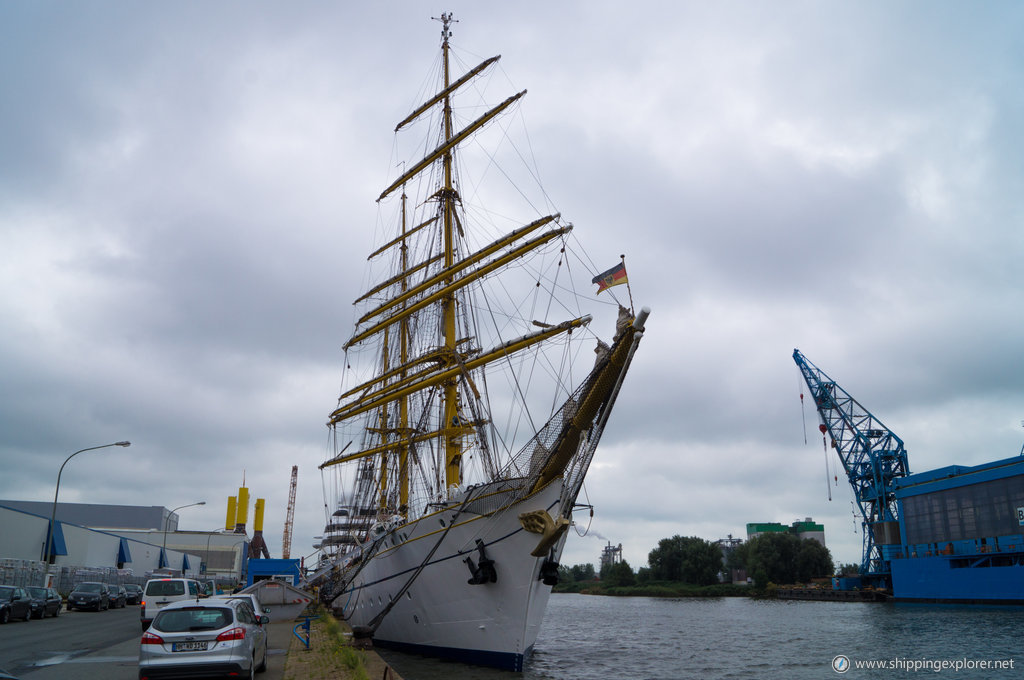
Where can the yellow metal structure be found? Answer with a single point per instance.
(257, 521)
(229, 522)
(242, 510)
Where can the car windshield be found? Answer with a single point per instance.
(114, 590)
(6, 592)
(37, 592)
(158, 588)
(132, 587)
(88, 588)
(192, 619)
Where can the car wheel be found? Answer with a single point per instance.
(252, 668)
(5, 616)
(263, 664)
(56, 612)
(28, 615)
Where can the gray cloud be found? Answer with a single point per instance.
(187, 199)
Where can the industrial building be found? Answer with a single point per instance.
(130, 540)
(805, 528)
(124, 542)
(963, 534)
(74, 545)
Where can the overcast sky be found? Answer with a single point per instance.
(182, 189)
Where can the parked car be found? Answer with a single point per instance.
(89, 595)
(45, 601)
(160, 592)
(118, 596)
(253, 601)
(15, 603)
(204, 637)
(133, 593)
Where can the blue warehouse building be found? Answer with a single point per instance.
(962, 532)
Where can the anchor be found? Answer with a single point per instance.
(483, 572)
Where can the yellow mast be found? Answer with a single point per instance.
(382, 496)
(452, 447)
(403, 403)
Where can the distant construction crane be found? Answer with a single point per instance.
(289, 518)
(873, 458)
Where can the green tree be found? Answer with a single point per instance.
(812, 559)
(783, 558)
(618, 574)
(583, 572)
(643, 575)
(687, 560)
(848, 569)
(565, 574)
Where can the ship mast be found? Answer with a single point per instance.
(413, 375)
(403, 403)
(451, 436)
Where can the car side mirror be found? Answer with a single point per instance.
(264, 619)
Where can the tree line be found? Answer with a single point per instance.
(779, 558)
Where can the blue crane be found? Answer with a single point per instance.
(873, 458)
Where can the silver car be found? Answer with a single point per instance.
(208, 637)
(257, 606)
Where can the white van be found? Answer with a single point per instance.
(160, 592)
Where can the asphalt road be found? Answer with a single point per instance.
(89, 645)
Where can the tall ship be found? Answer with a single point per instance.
(474, 392)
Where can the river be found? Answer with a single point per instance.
(587, 637)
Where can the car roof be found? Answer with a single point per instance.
(243, 597)
(201, 603)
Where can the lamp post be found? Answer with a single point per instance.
(209, 535)
(168, 519)
(48, 553)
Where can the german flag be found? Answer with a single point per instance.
(613, 277)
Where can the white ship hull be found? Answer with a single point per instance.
(441, 614)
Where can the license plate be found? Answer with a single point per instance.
(189, 646)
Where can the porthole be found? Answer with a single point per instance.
(408, 594)
(415, 618)
(441, 521)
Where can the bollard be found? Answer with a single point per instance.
(362, 637)
(305, 627)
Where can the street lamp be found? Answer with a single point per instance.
(206, 555)
(168, 518)
(49, 551)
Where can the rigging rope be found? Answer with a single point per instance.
(376, 621)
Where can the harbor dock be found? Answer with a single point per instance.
(827, 594)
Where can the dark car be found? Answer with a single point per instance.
(15, 603)
(90, 595)
(45, 601)
(134, 593)
(118, 596)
